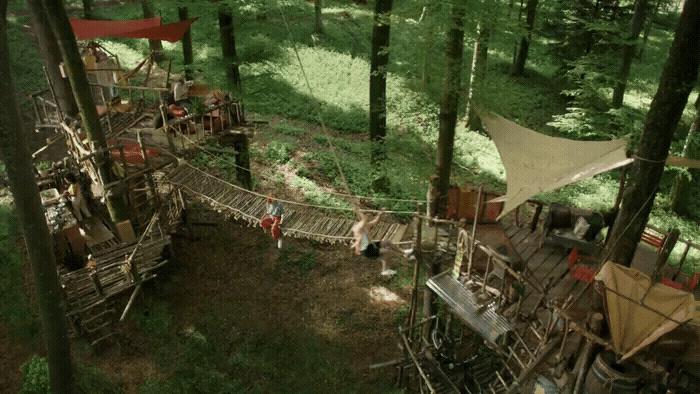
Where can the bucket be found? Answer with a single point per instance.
(605, 376)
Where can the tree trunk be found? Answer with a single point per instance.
(647, 29)
(48, 47)
(377, 80)
(155, 45)
(629, 49)
(449, 99)
(478, 70)
(519, 64)
(427, 43)
(17, 157)
(318, 27)
(228, 47)
(186, 44)
(677, 79)
(87, 9)
(73, 64)
(680, 195)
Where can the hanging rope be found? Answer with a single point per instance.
(289, 202)
(318, 110)
(214, 154)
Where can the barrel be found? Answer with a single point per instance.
(606, 376)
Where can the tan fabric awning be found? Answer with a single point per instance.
(538, 163)
(632, 326)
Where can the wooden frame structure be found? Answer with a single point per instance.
(549, 330)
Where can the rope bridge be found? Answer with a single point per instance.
(300, 220)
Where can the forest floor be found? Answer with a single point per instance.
(296, 317)
(233, 285)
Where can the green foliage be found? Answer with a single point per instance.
(202, 368)
(279, 152)
(298, 260)
(289, 130)
(226, 163)
(153, 316)
(91, 379)
(401, 317)
(14, 309)
(43, 165)
(35, 375)
(303, 171)
(88, 378)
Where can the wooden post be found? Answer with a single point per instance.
(186, 44)
(414, 291)
(228, 47)
(429, 308)
(53, 94)
(621, 187)
(96, 283)
(535, 217)
(584, 360)
(667, 247)
(682, 260)
(109, 118)
(167, 77)
(168, 136)
(527, 372)
(131, 301)
(147, 164)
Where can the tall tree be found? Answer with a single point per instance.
(186, 44)
(73, 64)
(521, 58)
(478, 69)
(318, 26)
(680, 195)
(17, 157)
(155, 45)
(628, 52)
(647, 28)
(87, 9)
(48, 47)
(377, 79)
(449, 98)
(677, 80)
(228, 47)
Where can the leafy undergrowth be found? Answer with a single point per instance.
(15, 310)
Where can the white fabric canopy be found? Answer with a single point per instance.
(538, 163)
(633, 326)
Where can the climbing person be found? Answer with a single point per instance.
(373, 249)
(275, 216)
(76, 197)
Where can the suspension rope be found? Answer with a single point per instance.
(290, 202)
(318, 108)
(328, 192)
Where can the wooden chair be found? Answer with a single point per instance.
(653, 238)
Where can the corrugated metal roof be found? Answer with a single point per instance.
(489, 323)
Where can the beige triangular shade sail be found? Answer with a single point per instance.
(538, 163)
(633, 326)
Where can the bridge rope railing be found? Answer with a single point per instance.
(305, 221)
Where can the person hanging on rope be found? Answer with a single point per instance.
(364, 246)
(275, 216)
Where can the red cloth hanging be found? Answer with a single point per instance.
(150, 28)
(86, 29)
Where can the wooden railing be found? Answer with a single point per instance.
(46, 112)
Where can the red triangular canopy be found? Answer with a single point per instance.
(150, 28)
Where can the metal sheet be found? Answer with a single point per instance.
(489, 323)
